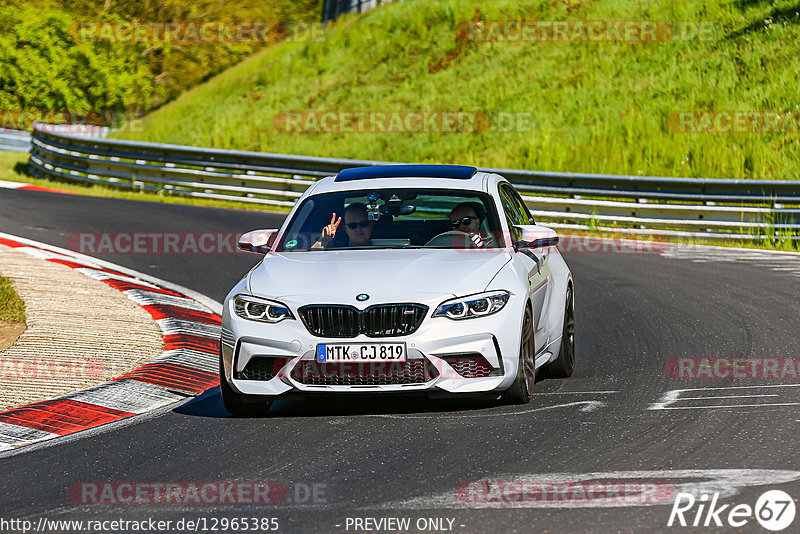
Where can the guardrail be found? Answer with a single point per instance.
(15, 140)
(698, 207)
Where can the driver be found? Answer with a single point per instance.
(468, 217)
(357, 226)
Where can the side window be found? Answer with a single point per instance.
(511, 211)
(519, 204)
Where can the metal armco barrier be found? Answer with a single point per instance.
(742, 209)
(15, 140)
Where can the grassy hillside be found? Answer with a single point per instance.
(50, 68)
(594, 106)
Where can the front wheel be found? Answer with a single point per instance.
(234, 402)
(522, 387)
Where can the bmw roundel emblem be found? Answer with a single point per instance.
(362, 297)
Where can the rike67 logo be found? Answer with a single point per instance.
(774, 510)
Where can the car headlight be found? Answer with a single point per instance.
(473, 306)
(258, 309)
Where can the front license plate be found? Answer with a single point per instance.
(361, 352)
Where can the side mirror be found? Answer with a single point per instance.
(258, 241)
(534, 236)
(545, 242)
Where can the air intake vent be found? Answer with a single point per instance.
(261, 368)
(416, 371)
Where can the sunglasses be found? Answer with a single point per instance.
(360, 224)
(465, 221)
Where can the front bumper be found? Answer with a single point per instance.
(435, 344)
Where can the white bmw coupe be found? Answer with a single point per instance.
(399, 279)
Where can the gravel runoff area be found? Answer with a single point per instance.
(80, 332)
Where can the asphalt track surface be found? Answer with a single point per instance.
(404, 457)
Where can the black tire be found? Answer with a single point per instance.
(564, 365)
(522, 387)
(235, 402)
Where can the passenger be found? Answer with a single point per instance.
(357, 226)
(468, 217)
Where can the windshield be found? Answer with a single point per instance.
(394, 218)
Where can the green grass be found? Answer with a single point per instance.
(13, 168)
(594, 107)
(12, 308)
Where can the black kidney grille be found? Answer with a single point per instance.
(381, 320)
(331, 321)
(392, 319)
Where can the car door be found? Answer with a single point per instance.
(527, 260)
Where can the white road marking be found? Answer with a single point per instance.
(5, 184)
(127, 396)
(587, 406)
(731, 406)
(726, 482)
(97, 274)
(12, 434)
(577, 393)
(149, 298)
(173, 326)
(774, 260)
(194, 359)
(45, 254)
(674, 396)
(726, 397)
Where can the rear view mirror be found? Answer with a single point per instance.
(395, 208)
(258, 241)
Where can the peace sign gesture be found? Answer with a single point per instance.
(329, 231)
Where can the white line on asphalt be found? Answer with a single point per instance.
(730, 406)
(727, 397)
(673, 396)
(587, 406)
(697, 482)
(576, 392)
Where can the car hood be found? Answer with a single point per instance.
(385, 275)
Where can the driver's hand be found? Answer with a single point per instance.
(477, 239)
(329, 231)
